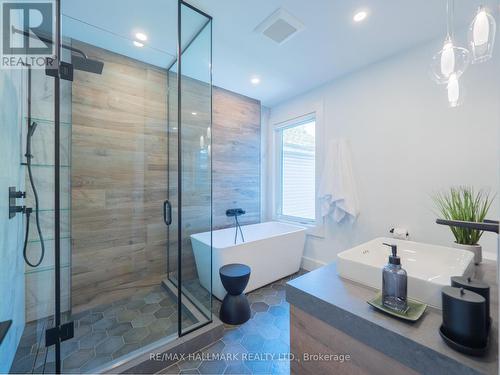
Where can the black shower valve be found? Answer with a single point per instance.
(19, 209)
(13, 207)
(17, 194)
(13, 210)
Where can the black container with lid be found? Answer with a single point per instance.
(476, 286)
(464, 317)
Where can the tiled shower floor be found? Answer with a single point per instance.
(103, 334)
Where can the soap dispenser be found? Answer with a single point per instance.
(394, 283)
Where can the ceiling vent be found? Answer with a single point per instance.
(280, 26)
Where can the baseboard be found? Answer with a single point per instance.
(310, 264)
(489, 256)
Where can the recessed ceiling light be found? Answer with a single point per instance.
(138, 44)
(194, 113)
(360, 16)
(141, 36)
(255, 80)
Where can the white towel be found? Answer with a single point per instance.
(337, 190)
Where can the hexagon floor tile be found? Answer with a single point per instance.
(103, 333)
(259, 346)
(110, 331)
(135, 335)
(259, 306)
(143, 320)
(110, 345)
(78, 359)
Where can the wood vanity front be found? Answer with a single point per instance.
(318, 348)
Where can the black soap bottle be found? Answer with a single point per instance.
(394, 283)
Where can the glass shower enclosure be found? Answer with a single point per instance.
(122, 166)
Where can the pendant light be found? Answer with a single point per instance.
(451, 59)
(455, 91)
(482, 36)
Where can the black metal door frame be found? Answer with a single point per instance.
(57, 181)
(180, 51)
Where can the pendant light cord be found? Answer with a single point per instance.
(450, 12)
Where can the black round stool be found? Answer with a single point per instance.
(235, 308)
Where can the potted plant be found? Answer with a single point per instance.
(463, 203)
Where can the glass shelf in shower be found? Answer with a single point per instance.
(52, 209)
(49, 239)
(44, 121)
(42, 210)
(44, 269)
(47, 165)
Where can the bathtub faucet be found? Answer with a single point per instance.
(235, 212)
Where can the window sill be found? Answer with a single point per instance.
(317, 231)
(312, 229)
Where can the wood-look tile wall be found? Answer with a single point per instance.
(236, 157)
(119, 179)
(119, 176)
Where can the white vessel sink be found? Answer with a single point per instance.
(429, 267)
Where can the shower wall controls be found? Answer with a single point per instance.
(13, 196)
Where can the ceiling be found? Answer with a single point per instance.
(331, 44)
(112, 24)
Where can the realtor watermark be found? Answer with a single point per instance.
(27, 34)
(248, 356)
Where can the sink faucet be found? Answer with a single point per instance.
(486, 225)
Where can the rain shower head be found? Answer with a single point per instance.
(87, 65)
(81, 62)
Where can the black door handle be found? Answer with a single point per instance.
(167, 212)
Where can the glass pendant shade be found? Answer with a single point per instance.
(482, 36)
(455, 91)
(450, 60)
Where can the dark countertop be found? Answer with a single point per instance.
(342, 304)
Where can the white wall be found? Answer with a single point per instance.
(407, 144)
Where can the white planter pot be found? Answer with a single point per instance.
(476, 249)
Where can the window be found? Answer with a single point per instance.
(296, 170)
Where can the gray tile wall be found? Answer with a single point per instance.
(11, 230)
(40, 281)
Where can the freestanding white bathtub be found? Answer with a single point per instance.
(273, 250)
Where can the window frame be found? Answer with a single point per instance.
(279, 116)
(278, 170)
